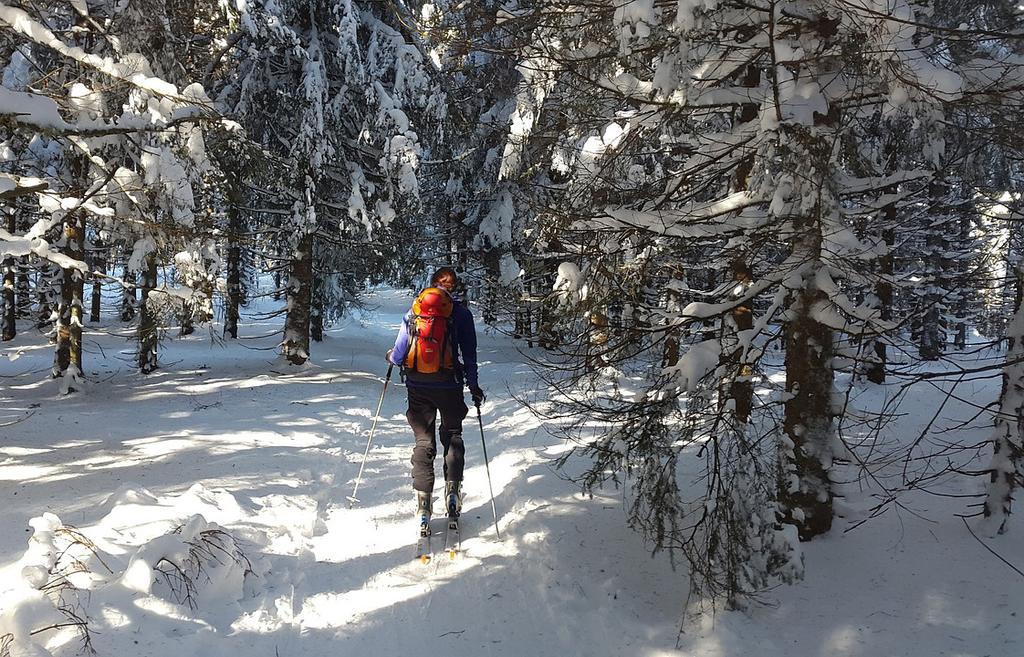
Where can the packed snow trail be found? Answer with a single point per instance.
(224, 438)
(270, 453)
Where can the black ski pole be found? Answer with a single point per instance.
(488, 468)
(352, 499)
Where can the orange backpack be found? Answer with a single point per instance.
(430, 332)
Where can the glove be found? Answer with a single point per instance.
(387, 356)
(478, 395)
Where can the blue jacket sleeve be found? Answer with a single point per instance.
(466, 331)
(401, 348)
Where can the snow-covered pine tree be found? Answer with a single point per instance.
(171, 246)
(343, 150)
(128, 167)
(983, 175)
(32, 159)
(15, 302)
(471, 200)
(236, 160)
(708, 140)
(616, 150)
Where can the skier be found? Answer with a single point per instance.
(436, 350)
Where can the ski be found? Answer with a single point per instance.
(453, 505)
(423, 551)
(452, 538)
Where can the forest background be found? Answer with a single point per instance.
(710, 224)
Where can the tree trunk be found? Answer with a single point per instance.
(188, 324)
(806, 489)
(295, 347)
(148, 329)
(932, 336)
(962, 284)
(10, 309)
(68, 355)
(741, 387)
(806, 451)
(48, 276)
(23, 288)
(129, 298)
(883, 293)
(1007, 467)
(100, 265)
(234, 271)
(316, 314)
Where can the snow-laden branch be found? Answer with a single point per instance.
(848, 184)
(690, 221)
(15, 186)
(30, 244)
(23, 109)
(1003, 77)
(134, 71)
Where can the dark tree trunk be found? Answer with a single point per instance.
(71, 310)
(234, 272)
(49, 275)
(10, 308)
(806, 488)
(316, 313)
(148, 329)
(316, 325)
(963, 285)
(932, 336)
(23, 289)
(100, 265)
(1006, 471)
(930, 343)
(295, 347)
(883, 292)
(806, 451)
(741, 387)
(188, 324)
(129, 298)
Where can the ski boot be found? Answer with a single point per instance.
(453, 505)
(453, 498)
(423, 512)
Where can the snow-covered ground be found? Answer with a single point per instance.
(236, 469)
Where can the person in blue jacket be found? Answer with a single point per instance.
(441, 392)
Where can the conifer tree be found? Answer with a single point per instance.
(118, 130)
(731, 155)
(344, 150)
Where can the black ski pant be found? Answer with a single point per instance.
(424, 405)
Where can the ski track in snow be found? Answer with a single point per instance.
(270, 454)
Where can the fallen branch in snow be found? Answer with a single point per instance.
(63, 550)
(75, 620)
(12, 423)
(181, 584)
(985, 545)
(77, 538)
